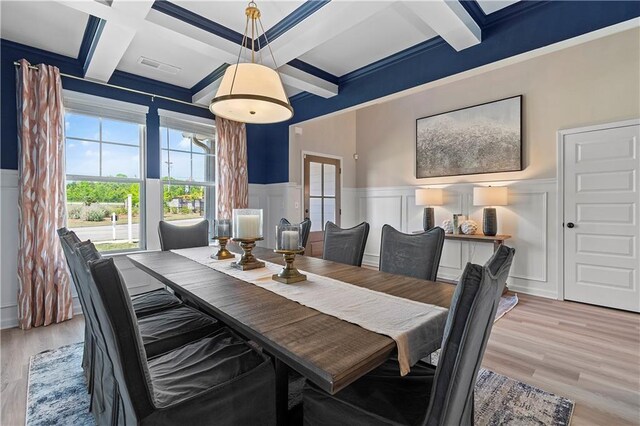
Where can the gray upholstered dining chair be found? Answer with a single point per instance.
(305, 228)
(217, 379)
(495, 263)
(162, 331)
(144, 304)
(345, 245)
(428, 395)
(173, 237)
(412, 255)
(67, 240)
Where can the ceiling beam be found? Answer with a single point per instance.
(302, 80)
(450, 20)
(302, 38)
(114, 40)
(206, 89)
(110, 47)
(116, 32)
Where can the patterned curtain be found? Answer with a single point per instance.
(233, 179)
(44, 293)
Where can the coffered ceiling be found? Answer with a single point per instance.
(317, 43)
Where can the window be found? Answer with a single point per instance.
(188, 170)
(105, 185)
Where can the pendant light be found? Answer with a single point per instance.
(252, 92)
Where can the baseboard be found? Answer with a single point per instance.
(9, 314)
(532, 291)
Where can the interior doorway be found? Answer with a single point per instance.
(321, 197)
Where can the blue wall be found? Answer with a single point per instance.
(10, 52)
(536, 26)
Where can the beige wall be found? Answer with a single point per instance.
(595, 82)
(333, 136)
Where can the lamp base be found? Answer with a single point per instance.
(428, 221)
(489, 221)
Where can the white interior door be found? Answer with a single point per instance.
(601, 229)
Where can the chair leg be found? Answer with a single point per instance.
(282, 391)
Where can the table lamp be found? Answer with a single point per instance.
(428, 197)
(490, 196)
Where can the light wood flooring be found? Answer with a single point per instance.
(586, 353)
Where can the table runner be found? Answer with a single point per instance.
(416, 327)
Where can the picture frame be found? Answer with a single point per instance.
(480, 139)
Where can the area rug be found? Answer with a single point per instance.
(57, 395)
(506, 304)
(500, 400)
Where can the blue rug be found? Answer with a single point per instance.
(57, 395)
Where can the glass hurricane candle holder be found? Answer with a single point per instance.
(288, 242)
(247, 229)
(288, 237)
(222, 233)
(247, 224)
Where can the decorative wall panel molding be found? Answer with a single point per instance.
(529, 217)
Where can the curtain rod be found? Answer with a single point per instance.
(139, 92)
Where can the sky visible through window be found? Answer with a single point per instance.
(186, 157)
(119, 150)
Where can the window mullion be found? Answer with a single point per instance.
(100, 150)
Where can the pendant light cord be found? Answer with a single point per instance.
(254, 17)
(242, 45)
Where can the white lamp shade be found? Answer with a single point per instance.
(490, 196)
(428, 197)
(252, 94)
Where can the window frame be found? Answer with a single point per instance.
(186, 126)
(94, 111)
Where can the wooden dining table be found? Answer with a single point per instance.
(330, 352)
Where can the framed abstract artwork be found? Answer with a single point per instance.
(485, 138)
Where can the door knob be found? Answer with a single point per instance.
(570, 225)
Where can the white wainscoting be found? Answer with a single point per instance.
(278, 200)
(8, 248)
(530, 218)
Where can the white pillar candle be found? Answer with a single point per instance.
(290, 240)
(248, 226)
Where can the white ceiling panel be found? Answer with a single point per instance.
(385, 33)
(291, 91)
(43, 24)
(193, 65)
(490, 6)
(231, 13)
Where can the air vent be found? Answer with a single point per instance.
(169, 69)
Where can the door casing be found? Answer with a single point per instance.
(560, 189)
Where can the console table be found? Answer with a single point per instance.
(497, 240)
